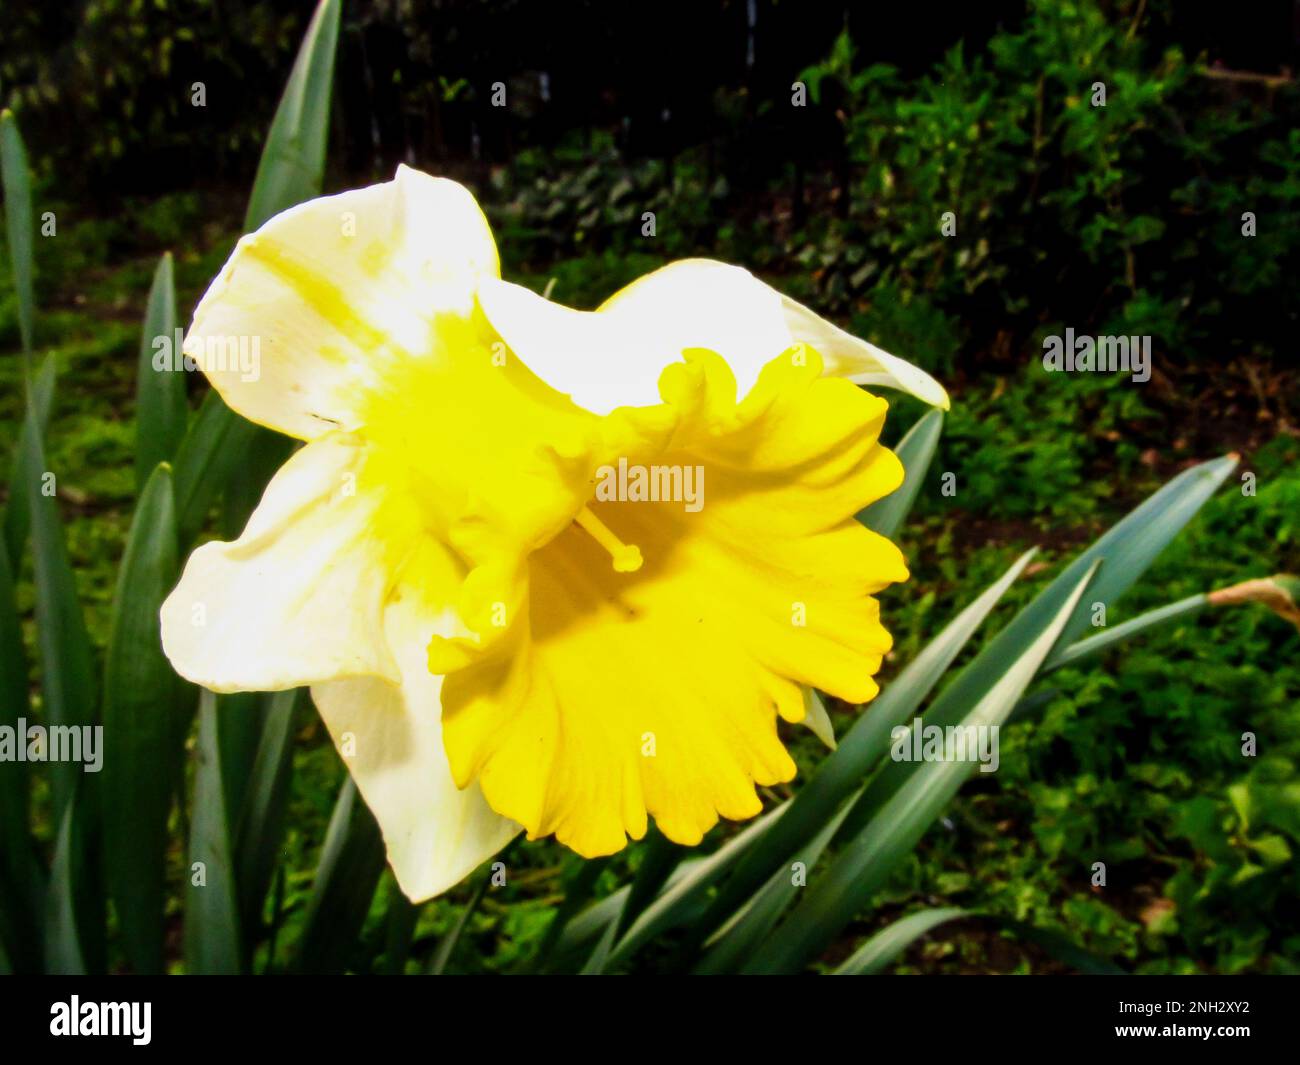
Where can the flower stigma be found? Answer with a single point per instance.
(627, 557)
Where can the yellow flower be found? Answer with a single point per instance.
(491, 641)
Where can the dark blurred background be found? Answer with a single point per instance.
(107, 82)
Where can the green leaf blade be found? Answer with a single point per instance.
(160, 406)
(858, 752)
(146, 713)
(292, 166)
(67, 671)
(915, 451)
(18, 511)
(21, 880)
(900, 821)
(213, 939)
(352, 861)
(16, 177)
(893, 940)
(260, 831)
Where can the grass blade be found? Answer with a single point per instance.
(160, 407)
(1116, 634)
(352, 861)
(399, 932)
(67, 677)
(16, 177)
(578, 889)
(1128, 549)
(262, 820)
(890, 942)
(213, 943)
(293, 160)
(207, 458)
(18, 512)
(74, 909)
(682, 898)
(896, 827)
(21, 879)
(447, 947)
(857, 754)
(146, 711)
(734, 941)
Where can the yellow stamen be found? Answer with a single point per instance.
(627, 557)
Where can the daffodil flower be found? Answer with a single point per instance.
(490, 645)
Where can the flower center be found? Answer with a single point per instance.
(627, 557)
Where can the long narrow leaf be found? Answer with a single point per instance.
(857, 873)
(1131, 545)
(207, 458)
(293, 159)
(351, 863)
(17, 181)
(145, 704)
(915, 451)
(262, 820)
(213, 942)
(21, 879)
(160, 409)
(1128, 549)
(735, 940)
(685, 892)
(891, 941)
(858, 752)
(240, 718)
(70, 926)
(399, 932)
(578, 889)
(1116, 634)
(447, 947)
(263, 454)
(599, 959)
(659, 858)
(67, 678)
(18, 511)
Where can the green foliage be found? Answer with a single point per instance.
(120, 73)
(1122, 218)
(597, 199)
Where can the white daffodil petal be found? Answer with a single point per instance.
(390, 737)
(865, 364)
(817, 718)
(299, 597)
(613, 356)
(309, 311)
(578, 353)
